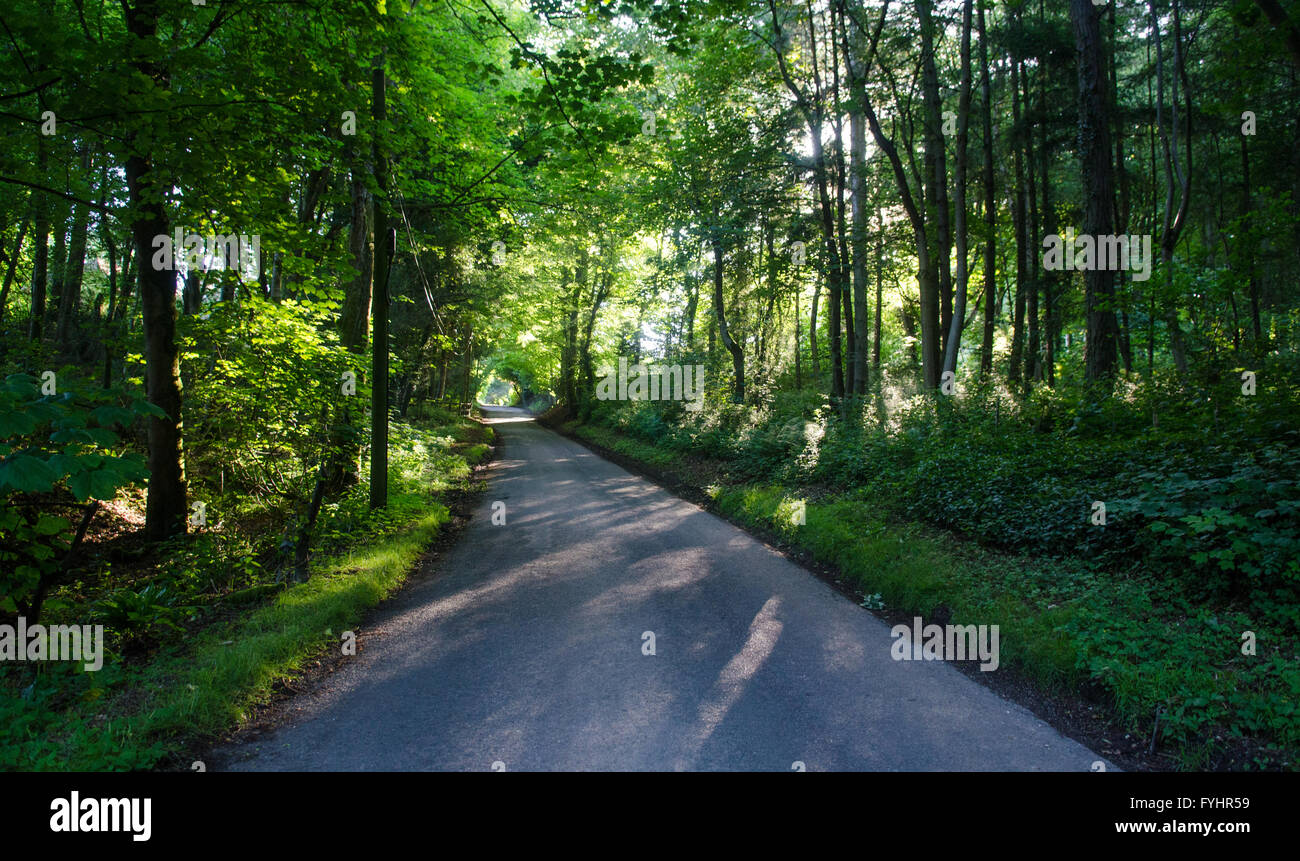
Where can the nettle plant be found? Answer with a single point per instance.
(59, 454)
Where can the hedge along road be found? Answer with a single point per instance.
(528, 652)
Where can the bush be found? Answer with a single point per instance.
(56, 452)
(1214, 512)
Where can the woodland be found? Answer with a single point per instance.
(1002, 294)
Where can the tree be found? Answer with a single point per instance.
(1099, 188)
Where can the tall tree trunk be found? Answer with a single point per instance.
(1248, 258)
(858, 193)
(384, 240)
(963, 131)
(926, 272)
(354, 325)
(841, 211)
(811, 108)
(12, 267)
(41, 254)
(467, 367)
(798, 338)
(165, 508)
(1019, 216)
(936, 177)
(1099, 190)
(813, 358)
(880, 290)
(74, 268)
(1049, 280)
(1123, 205)
(1175, 173)
(719, 311)
(1032, 366)
(58, 262)
(692, 309)
(109, 330)
(599, 294)
(990, 207)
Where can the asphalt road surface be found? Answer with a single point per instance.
(528, 652)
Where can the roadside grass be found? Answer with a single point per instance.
(623, 444)
(236, 667)
(141, 714)
(1121, 637)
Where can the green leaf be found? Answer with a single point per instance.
(13, 423)
(144, 408)
(27, 474)
(112, 415)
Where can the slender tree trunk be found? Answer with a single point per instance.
(1248, 258)
(813, 358)
(165, 508)
(1123, 205)
(907, 316)
(841, 211)
(737, 353)
(41, 255)
(70, 303)
(1019, 216)
(1033, 368)
(926, 273)
(936, 179)
(990, 207)
(880, 289)
(963, 130)
(12, 267)
(798, 322)
(1174, 217)
(858, 164)
(384, 240)
(192, 294)
(58, 264)
(109, 330)
(812, 110)
(468, 366)
(599, 294)
(1048, 280)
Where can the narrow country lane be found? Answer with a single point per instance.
(527, 650)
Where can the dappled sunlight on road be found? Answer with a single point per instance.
(764, 631)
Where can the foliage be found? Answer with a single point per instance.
(55, 450)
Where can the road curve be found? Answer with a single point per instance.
(527, 652)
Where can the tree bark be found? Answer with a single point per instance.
(1175, 174)
(1100, 352)
(936, 177)
(858, 193)
(990, 208)
(1019, 218)
(165, 507)
(737, 353)
(70, 301)
(379, 307)
(41, 255)
(12, 267)
(963, 126)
